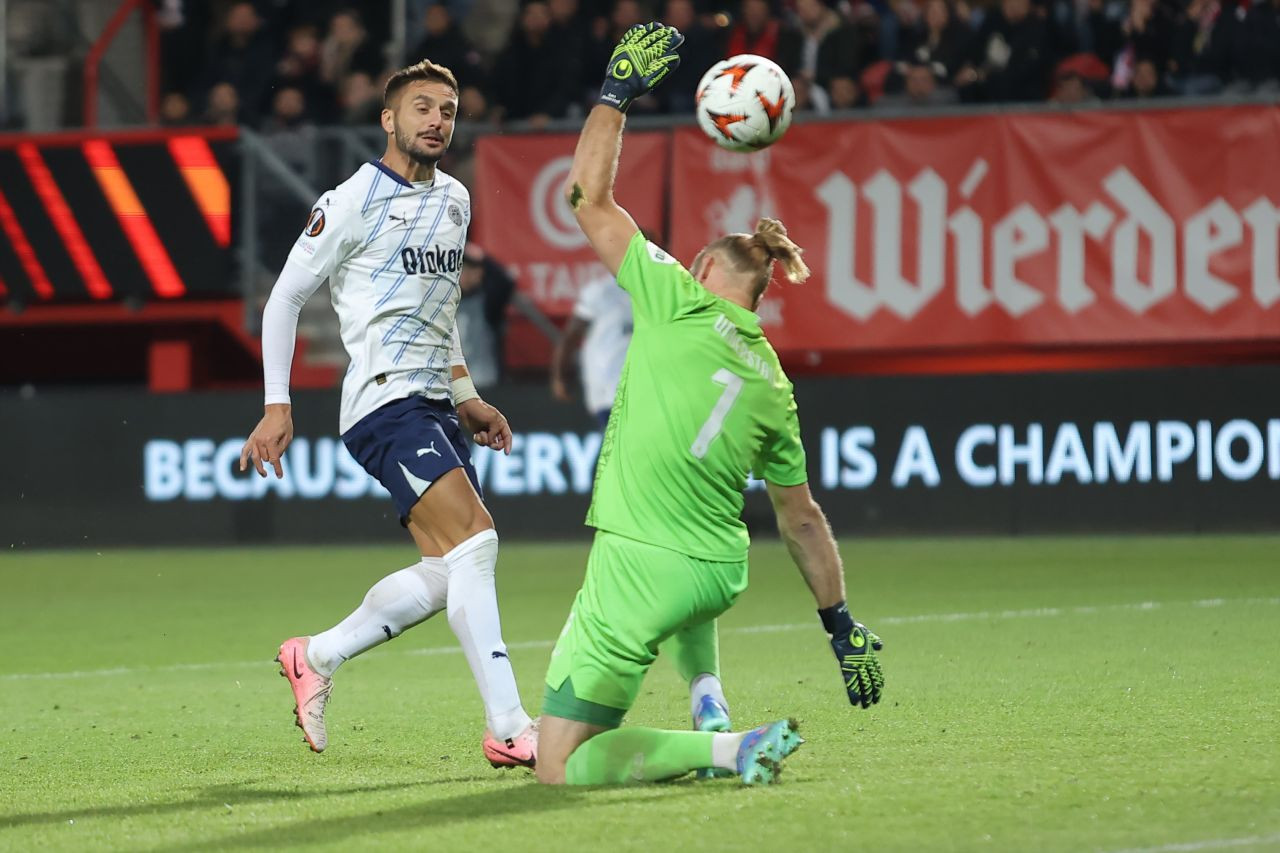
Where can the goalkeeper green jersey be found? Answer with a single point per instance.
(702, 403)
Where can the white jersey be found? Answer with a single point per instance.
(393, 253)
(606, 307)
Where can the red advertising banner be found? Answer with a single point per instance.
(526, 224)
(1026, 231)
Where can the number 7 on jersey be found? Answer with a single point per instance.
(715, 422)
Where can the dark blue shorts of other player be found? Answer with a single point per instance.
(409, 444)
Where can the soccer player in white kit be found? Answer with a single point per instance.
(390, 240)
(602, 324)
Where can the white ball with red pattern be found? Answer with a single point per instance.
(745, 102)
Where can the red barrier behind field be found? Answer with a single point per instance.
(1014, 233)
(1081, 228)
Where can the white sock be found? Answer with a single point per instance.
(473, 616)
(705, 684)
(396, 602)
(724, 749)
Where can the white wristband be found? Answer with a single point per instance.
(463, 389)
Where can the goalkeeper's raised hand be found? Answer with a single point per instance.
(855, 647)
(645, 56)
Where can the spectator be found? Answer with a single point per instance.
(533, 79)
(299, 68)
(756, 32)
(902, 18)
(820, 44)
(918, 86)
(1145, 33)
(288, 110)
(184, 48)
(348, 48)
(845, 94)
(700, 51)
(360, 100)
(874, 80)
(222, 105)
(938, 39)
(1257, 60)
(1147, 82)
(301, 59)
(604, 36)
(1198, 52)
(487, 289)
(445, 44)
(1152, 48)
(1064, 25)
(243, 57)
(922, 86)
(175, 109)
(1070, 87)
(1010, 56)
(473, 106)
(810, 98)
(572, 29)
(1080, 78)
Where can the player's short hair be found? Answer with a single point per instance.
(754, 254)
(424, 70)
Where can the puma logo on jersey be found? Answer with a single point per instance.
(431, 261)
(423, 451)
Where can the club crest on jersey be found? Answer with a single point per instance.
(431, 261)
(455, 215)
(315, 223)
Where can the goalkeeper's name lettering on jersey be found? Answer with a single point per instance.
(729, 332)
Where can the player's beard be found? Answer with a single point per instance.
(410, 146)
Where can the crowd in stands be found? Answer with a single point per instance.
(275, 64)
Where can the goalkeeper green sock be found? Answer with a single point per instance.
(696, 653)
(644, 755)
(695, 650)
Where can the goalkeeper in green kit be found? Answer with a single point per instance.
(702, 403)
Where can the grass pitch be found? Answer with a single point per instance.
(1047, 694)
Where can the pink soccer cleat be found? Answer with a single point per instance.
(518, 751)
(310, 692)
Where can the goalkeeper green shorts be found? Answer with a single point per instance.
(634, 597)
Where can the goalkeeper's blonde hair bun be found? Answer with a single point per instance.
(771, 243)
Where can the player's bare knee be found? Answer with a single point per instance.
(450, 512)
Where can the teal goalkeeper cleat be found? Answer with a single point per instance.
(711, 717)
(762, 750)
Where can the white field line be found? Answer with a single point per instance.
(1208, 844)
(974, 616)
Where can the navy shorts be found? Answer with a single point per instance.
(409, 444)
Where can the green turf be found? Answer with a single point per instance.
(139, 708)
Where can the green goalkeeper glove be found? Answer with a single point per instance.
(855, 646)
(644, 57)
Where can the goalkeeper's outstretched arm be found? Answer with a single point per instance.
(589, 189)
(643, 58)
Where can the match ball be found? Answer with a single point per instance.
(745, 102)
